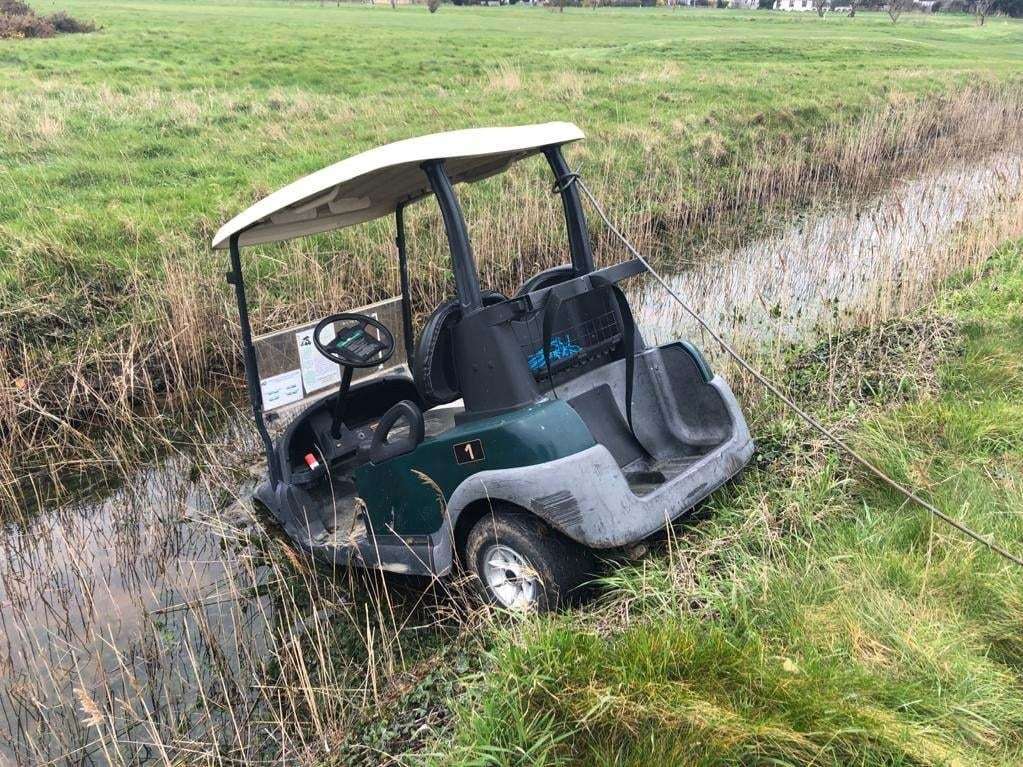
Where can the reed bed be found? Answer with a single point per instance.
(136, 377)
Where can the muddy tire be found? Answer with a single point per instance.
(522, 564)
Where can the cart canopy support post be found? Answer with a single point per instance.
(406, 297)
(234, 277)
(575, 219)
(467, 281)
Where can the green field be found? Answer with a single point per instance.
(122, 145)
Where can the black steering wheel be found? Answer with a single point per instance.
(353, 346)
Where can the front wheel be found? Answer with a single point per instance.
(522, 564)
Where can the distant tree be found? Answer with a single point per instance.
(821, 6)
(433, 5)
(852, 7)
(895, 8)
(981, 9)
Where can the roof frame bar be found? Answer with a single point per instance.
(575, 219)
(467, 281)
(235, 278)
(406, 297)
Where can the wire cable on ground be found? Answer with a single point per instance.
(777, 391)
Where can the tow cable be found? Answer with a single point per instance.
(777, 391)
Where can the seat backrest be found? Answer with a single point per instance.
(433, 364)
(546, 278)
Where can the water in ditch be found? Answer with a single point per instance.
(855, 264)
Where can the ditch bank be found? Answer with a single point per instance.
(95, 370)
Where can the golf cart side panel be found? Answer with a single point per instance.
(402, 493)
(602, 497)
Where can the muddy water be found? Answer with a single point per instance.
(142, 619)
(119, 610)
(853, 264)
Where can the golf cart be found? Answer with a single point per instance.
(525, 432)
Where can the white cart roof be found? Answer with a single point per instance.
(374, 183)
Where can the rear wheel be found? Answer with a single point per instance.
(522, 564)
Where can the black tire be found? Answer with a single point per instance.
(557, 566)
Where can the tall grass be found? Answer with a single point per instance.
(804, 616)
(800, 622)
(176, 331)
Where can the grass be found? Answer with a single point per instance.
(803, 616)
(810, 616)
(122, 152)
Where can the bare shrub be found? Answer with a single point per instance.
(14, 8)
(894, 8)
(981, 9)
(22, 25)
(18, 20)
(62, 22)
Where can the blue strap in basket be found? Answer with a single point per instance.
(562, 348)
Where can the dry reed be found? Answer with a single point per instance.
(166, 624)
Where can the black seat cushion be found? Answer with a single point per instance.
(433, 364)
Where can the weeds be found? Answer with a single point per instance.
(805, 616)
(178, 335)
(112, 321)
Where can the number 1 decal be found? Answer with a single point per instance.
(469, 452)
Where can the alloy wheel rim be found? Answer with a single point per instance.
(510, 578)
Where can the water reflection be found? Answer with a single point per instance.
(857, 263)
(98, 613)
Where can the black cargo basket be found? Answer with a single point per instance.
(587, 326)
